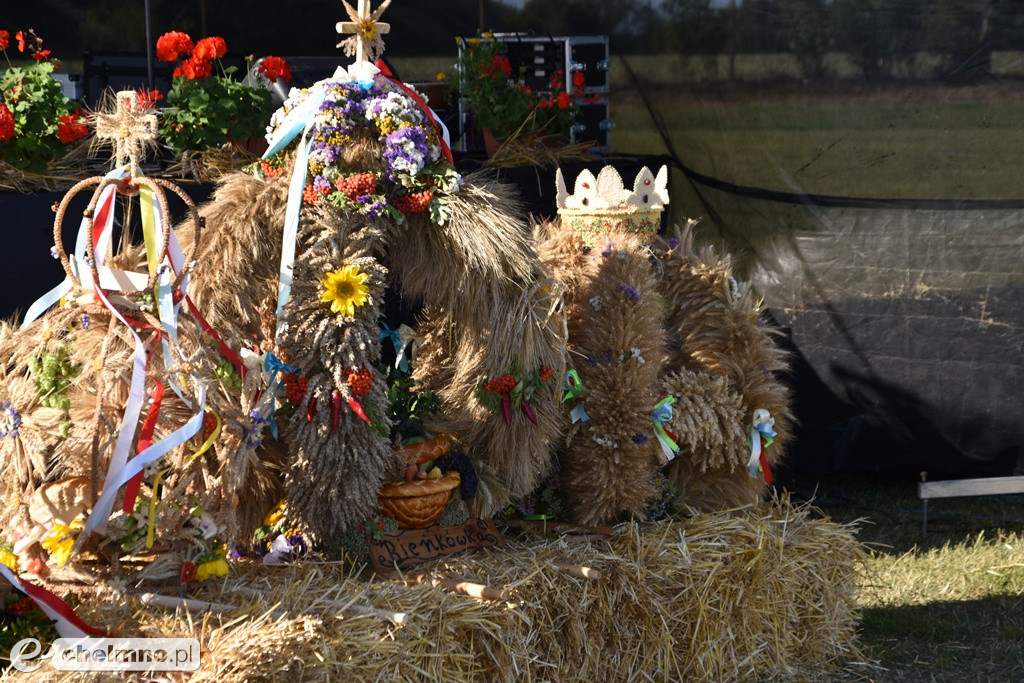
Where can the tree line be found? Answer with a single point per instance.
(881, 36)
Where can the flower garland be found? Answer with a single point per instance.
(416, 177)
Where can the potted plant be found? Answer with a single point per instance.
(503, 105)
(206, 107)
(38, 124)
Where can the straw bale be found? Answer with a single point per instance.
(758, 593)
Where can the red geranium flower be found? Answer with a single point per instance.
(72, 127)
(578, 79)
(563, 100)
(6, 122)
(147, 98)
(555, 80)
(172, 45)
(213, 47)
(41, 55)
(274, 68)
(5, 40)
(20, 37)
(194, 69)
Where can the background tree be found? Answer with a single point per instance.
(808, 34)
(694, 27)
(878, 34)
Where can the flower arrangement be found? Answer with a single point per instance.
(37, 122)
(502, 102)
(513, 390)
(206, 106)
(415, 177)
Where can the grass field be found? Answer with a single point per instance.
(904, 141)
(950, 610)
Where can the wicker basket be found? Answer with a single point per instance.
(599, 226)
(417, 504)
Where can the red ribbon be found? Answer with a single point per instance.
(765, 470)
(68, 624)
(131, 489)
(386, 72)
(222, 348)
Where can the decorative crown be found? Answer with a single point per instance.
(602, 205)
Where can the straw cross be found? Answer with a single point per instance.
(365, 41)
(129, 127)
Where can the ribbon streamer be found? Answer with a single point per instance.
(116, 480)
(67, 623)
(661, 414)
(761, 436)
(274, 371)
(572, 386)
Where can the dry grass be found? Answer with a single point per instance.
(726, 596)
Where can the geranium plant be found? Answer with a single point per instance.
(206, 106)
(500, 99)
(37, 122)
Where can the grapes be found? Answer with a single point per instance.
(457, 460)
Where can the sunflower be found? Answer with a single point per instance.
(346, 289)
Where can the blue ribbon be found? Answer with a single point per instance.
(273, 367)
(396, 340)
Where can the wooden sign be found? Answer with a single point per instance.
(410, 547)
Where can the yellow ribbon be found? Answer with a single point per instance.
(210, 440)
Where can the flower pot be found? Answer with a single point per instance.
(417, 504)
(491, 143)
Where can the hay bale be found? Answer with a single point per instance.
(757, 593)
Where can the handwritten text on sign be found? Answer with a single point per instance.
(410, 547)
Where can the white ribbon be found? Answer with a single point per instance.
(43, 303)
(762, 425)
(115, 480)
(300, 119)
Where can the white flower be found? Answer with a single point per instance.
(280, 551)
(207, 526)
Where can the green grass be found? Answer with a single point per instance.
(948, 610)
(909, 141)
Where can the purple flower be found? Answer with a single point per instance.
(527, 505)
(253, 436)
(607, 251)
(53, 252)
(639, 438)
(630, 292)
(322, 184)
(376, 209)
(406, 152)
(235, 553)
(673, 243)
(10, 420)
(85, 321)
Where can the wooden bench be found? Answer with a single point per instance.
(955, 488)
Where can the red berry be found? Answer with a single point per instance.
(417, 202)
